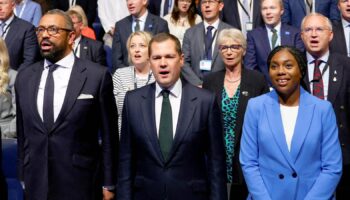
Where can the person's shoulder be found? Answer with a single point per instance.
(224, 25)
(91, 41)
(289, 28)
(91, 67)
(21, 24)
(144, 91)
(125, 20)
(33, 4)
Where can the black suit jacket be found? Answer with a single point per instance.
(338, 43)
(230, 14)
(123, 29)
(154, 6)
(339, 96)
(64, 162)
(92, 50)
(22, 44)
(195, 169)
(89, 7)
(252, 84)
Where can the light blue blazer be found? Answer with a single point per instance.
(31, 13)
(311, 170)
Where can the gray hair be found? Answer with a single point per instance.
(234, 34)
(328, 22)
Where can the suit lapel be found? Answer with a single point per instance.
(75, 85)
(34, 82)
(149, 24)
(285, 36)
(200, 47)
(216, 50)
(273, 113)
(12, 32)
(235, 13)
(302, 125)
(335, 78)
(149, 121)
(302, 5)
(187, 110)
(265, 43)
(83, 48)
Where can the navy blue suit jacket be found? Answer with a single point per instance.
(195, 169)
(67, 161)
(230, 14)
(92, 50)
(22, 43)
(294, 11)
(123, 29)
(258, 47)
(338, 43)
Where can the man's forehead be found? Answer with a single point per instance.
(51, 20)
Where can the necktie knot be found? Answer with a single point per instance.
(165, 93)
(273, 30)
(317, 62)
(209, 28)
(52, 67)
(137, 26)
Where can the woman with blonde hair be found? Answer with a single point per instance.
(7, 94)
(86, 30)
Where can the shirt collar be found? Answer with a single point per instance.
(66, 62)
(310, 58)
(142, 18)
(215, 24)
(9, 20)
(277, 27)
(175, 90)
(345, 23)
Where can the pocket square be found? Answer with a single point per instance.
(85, 96)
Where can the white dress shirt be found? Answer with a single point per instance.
(325, 76)
(76, 46)
(61, 78)
(289, 116)
(142, 21)
(111, 11)
(175, 101)
(269, 34)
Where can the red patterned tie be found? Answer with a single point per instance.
(317, 81)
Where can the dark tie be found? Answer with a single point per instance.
(2, 26)
(208, 42)
(317, 81)
(137, 26)
(48, 116)
(166, 126)
(166, 7)
(274, 38)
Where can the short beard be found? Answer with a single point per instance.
(53, 56)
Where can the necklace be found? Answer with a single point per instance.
(232, 81)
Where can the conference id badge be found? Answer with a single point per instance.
(249, 26)
(205, 65)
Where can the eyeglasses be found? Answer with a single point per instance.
(51, 30)
(211, 2)
(185, 1)
(318, 30)
(234, 47)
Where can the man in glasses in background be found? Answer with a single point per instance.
(328, 78)
(199, 44)
(64, 104)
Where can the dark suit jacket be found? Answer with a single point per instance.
(89, 7)
(338, 43)
(92, 50)
(258, 47)
(230, 14)
(22, 44)
(63, 163)
(123, 29)
(194, 50)
(154, 6)
(195, 169)
(339, 96)
(252, 84)
(294, 11)
(3, 185)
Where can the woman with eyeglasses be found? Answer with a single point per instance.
(182, 17)
(290, 148)
(234, 86)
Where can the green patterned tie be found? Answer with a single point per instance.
(274, 38)
(166, 126)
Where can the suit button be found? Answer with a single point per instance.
(342, 107)
(340, 125)
(294, 175)
(281, 176)
(342, 144)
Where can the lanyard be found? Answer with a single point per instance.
(3, 35)
(22, 9)
(244, 9)
(148, 78)
(76, 49)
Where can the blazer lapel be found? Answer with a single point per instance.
(285, 36)
(187, 110)
(12, 32)
(149, 24)
(265, 43)
(273, 113)
(83, 48)
(75, 85)
(302, 125)
(335, 78)
(149, 121)
(302, 5)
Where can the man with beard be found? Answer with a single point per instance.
(63, 104)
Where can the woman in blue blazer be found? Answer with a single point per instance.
(289, 148)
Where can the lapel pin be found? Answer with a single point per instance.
(334, 79)
(335, 72)
(287, 33)
(245, 93)
(85, 47)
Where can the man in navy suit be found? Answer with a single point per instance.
(341, 30)
(19, 36)
(334, 76)
(86, 48)
(261, 40)
(233, 11)
(138, 20)
(64, 105)
(296, 10)
(171, 138)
